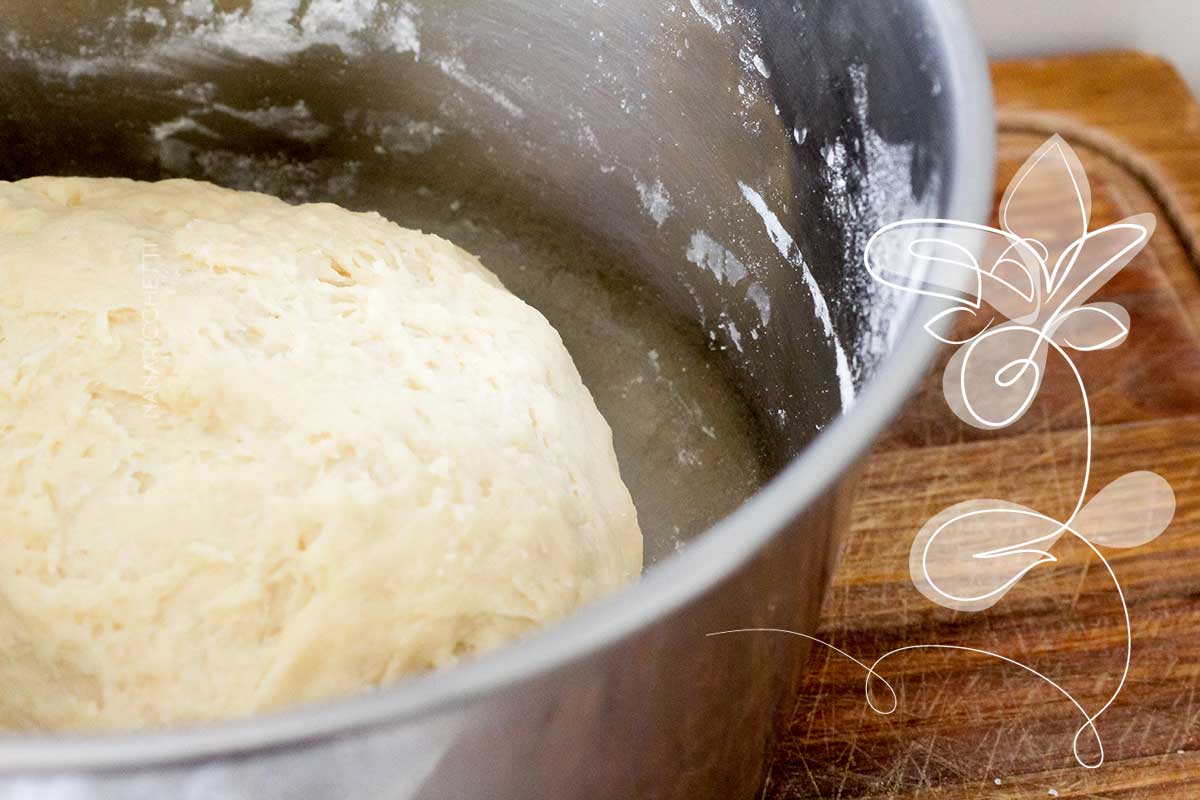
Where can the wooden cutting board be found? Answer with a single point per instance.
(971, 727)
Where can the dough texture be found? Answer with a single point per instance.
(254, 453)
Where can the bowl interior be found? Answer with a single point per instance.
(683, 189)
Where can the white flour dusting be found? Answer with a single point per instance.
(404, 35)
(456, 69)
(264, 29)
(196, 9)
(274, 30)
(70, 67)
(712, 18)
(294, 121)
(149, 16)
(335, 22)
(398, 133)
(706, 252)
(323, 179)
(196, 93)
(587, 138)
(165, 130)
(655, 201)
(270, 30)
(884, 194)
(757, 295)
(836, 167)
(791, 252)
(732, 332)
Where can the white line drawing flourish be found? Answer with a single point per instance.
(1026, 296)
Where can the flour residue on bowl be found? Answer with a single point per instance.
(404, 36)
(706, 252)
(396, 132)
(457, 70)
(871, 192)
(295, 121)
(193, 145)
(194, 30)
(324, 180)
(711, 255)
(712, 18)
(185, 124)
(274, 30)
(757, 295)
(790, 251)
(655, 200)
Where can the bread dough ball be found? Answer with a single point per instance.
(254, 453)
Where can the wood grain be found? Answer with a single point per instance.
(971, 727)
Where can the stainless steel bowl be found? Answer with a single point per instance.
(685, 189)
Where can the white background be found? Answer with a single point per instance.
(1168, 28)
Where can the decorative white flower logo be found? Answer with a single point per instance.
(1038, 271)
(1028, 283)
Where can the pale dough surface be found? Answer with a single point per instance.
(254, 453)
